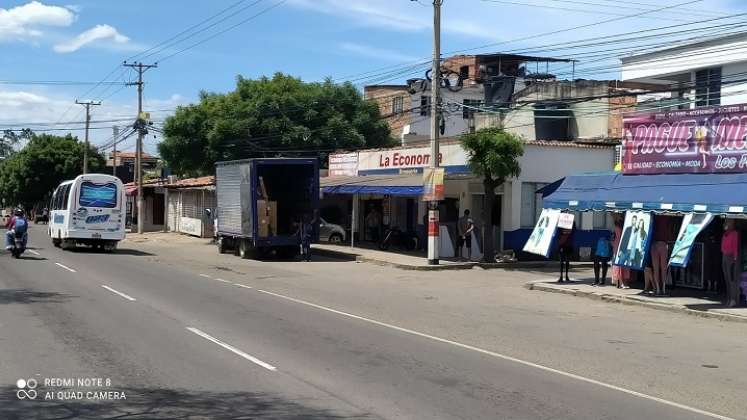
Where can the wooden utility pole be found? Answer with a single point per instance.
(140, 126)
(88, 105)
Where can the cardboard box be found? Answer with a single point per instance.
(267, 217)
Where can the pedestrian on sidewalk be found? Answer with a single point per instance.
(601, 258)
(465, 226)
(730, 252)
(565, 251)
(305, 233)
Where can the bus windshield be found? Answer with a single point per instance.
(98, 195)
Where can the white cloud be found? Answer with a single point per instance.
(22, 22)
(374, 52)
(98, 32)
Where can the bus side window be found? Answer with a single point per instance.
(65, 197)
(56, 199)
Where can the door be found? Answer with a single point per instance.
(158, 209)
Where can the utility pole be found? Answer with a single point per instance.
(88, 105)
(433, 216)
(140, 126)
(115, 134)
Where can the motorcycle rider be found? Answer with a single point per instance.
(17, 223)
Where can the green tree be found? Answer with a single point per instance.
(30, 175)
(267, 117)
(494, 155)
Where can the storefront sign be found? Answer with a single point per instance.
(450, 155)
(707, 140)
(635, 240)
(541, 238)
(692, 225)
(433, 184)
(343, 164)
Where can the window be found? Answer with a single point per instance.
(531, 203)
(64, 195)
(425, 105)
(468, 110)
(98, 195)
(708, 87)
(398, 105)
(53, 204)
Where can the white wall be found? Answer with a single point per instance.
(735, 93)
(684, 59)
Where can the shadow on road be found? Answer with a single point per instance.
(118, 251)
(8, 296)
(155, 404)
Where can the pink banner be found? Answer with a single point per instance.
(710, 139)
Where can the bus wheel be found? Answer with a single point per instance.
(109, 247)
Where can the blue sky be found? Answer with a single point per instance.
(85, 40)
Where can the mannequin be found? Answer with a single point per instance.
(730, 253)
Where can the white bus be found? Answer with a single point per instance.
(88, 210)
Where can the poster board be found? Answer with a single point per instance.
(566, 221)
(543, 233)
(635, 240)
(692, 225)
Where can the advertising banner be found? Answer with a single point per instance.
(433, 184)
(635, 240)
(544, 231)
(692, 225)
(704, 140)
(343, 164)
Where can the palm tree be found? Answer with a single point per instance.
(493, 154)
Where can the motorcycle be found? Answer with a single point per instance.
(405, 240)
(19, 244)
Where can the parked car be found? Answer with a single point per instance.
(331, 232)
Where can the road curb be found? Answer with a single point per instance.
(350, 255)
(631, 300)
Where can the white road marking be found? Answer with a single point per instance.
(204, 275)
(243, 285)
(66, 267)
(33, 252)
(221, 280)
(128, 297)
(508, 358)
(229, 347)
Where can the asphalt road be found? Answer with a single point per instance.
(182, 342)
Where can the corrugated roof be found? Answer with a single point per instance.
(203, 181)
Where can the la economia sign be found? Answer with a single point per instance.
(710, 139)
(410, 158)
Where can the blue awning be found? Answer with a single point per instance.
(697, 193)
(403, 185)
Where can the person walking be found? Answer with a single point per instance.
(730, 252)
(465, 226)
(602, 254)
(660, 251)
(305, 233)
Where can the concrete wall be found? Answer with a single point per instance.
(383, 96)
(455, 125)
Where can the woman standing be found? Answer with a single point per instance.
(565, 250)
(620, 274)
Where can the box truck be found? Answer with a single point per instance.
(260, 203)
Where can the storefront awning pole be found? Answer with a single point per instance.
(353, 221)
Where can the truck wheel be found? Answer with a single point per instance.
(245, 249)
(222, 245)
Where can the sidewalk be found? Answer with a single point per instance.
(414, 261)
(704, 306)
